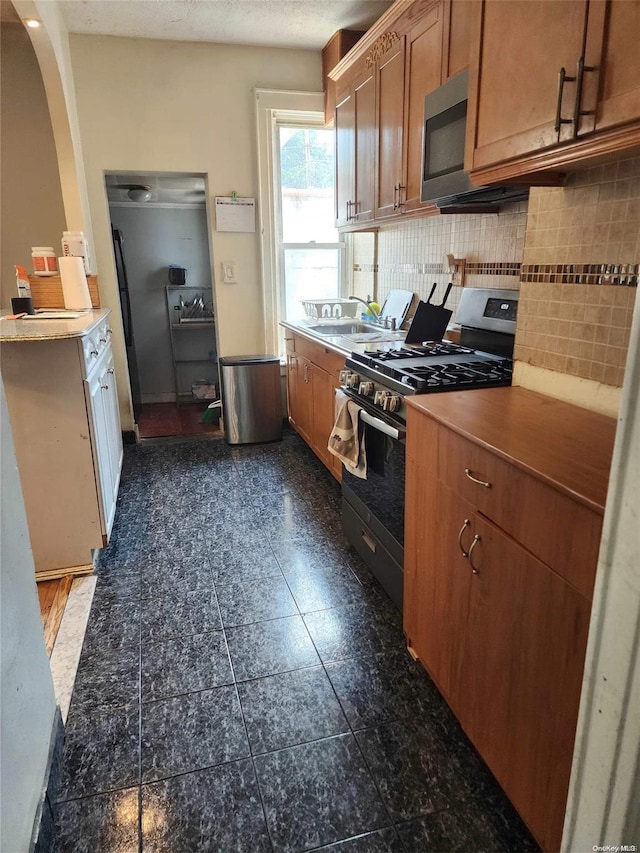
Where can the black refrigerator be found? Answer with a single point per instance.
(125, 306)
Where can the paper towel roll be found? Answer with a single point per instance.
(75, 289)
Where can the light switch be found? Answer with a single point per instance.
(229, 272)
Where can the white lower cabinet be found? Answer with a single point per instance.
(102, 404)
(63, 404)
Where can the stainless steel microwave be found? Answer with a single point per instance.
(444, 179)
(445, 122)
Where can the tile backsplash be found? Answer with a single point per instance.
(412, 255)
(580, 273)
(574, 252)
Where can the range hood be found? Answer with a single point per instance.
(481, 199)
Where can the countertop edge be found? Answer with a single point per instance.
(328, 341)
(463, 426)
(49, 332)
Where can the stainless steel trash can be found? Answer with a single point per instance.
(251, 398)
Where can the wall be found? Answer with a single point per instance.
(27, 703)
(165, 106)
(411, 255)
(31, 209)
(155, 237)
(580, 274)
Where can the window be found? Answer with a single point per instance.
(302, 255)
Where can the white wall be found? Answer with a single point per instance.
(162, 106)
(31, 211)
(27, 703)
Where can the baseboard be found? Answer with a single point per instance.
(43, 836)
(161, 397)
(129, 436)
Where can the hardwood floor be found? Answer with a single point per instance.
(156, 420)
(53, 596)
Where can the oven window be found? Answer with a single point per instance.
(383, 491)
(444, 142)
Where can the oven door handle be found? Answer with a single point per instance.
(382, 426)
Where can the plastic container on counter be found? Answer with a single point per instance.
(45, 260)
(74, 245)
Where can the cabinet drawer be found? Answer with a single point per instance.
(94, 344)
(324, 357)
(558, 530)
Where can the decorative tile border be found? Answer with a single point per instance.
(625, 275)
(472, 268)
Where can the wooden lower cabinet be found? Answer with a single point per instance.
(502, 633)
(311, 392)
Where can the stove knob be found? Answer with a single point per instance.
(380, 397)
(343, 375)
(366, 389)
(353, 380)
(391, 403)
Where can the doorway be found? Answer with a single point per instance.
(163, 263)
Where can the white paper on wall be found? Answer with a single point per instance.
(235, 214)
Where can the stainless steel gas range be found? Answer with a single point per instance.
(379, 380)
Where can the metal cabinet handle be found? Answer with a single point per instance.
(577, 112)
(369, 542)
(111, 371)
(395, 197)
(105, 387)
(473, 479)
(563, 78)
(94, 352)
(401, 188)
(109, 331)
(466, 524)
(476, 539)
(103, 340)
(350, 215)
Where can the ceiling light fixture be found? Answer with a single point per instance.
(32, 22)
(139, 194)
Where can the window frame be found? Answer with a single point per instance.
(273, 110)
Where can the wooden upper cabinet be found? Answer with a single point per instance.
(389, 124)
(456, 35)
(338, 46)
(423, 74)
(522, 118)
(345, 129)
(364, 96)
(514, 82)
(612, 50)
(406, 55)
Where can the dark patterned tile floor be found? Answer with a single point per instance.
(244, 683)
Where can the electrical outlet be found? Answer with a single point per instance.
(229, 272)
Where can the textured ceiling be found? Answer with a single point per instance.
(278, 23)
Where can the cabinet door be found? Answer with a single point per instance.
(99, 423)
(423, 70)
(523, 660)
(364, 86)
(323, 417)
(345, 129)
(112, 415)
(514, 89)
(437, 578)
(300, 395)
(612, 49)
(390, 119)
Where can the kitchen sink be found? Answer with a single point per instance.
(345, 329)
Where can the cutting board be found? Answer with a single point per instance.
(397, 305)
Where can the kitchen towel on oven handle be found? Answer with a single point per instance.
(347, 436)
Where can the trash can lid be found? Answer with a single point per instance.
(231, 360)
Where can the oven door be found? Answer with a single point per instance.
(373, 509)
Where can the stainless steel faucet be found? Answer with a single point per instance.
(376, 316)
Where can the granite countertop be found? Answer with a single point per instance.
(30, 329)
(347, 343)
